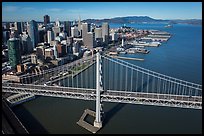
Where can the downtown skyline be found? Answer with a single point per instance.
(26, 11)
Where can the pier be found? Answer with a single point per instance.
(119, 57)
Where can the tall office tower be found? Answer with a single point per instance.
(89, 41)
(33, 32)
(6, 35)
(85, 28)
(41, 36)
(98, 33)
(69, 49)
(74, 31)
(22, 26)
(50, 36)
(79, 27)
(114, 36)
(7, 25)
(67, 28)
(18, 27)
(76, 47)
(56, 31)
(26, 44)
(55, 51)
(40, 52)
(46, 19)
(105, 32)
(57, 23)
(14, 51)
(61, 50)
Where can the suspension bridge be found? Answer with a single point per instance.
(104, 78)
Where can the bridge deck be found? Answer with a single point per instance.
(109, 95)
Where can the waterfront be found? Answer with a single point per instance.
(180, 57)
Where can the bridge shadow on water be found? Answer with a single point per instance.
(29, 121)
(110, 113)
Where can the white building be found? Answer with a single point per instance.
(74, 32)
(50, 36)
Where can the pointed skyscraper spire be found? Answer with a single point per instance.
(79, 25)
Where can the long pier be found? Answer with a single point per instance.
(127, 58)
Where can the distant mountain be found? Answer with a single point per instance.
(143, 19)
(129, 19)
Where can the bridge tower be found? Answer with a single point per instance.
(99, 88)
(122, 41)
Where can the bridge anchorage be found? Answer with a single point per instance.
(98, 114)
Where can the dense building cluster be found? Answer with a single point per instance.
(51, 43)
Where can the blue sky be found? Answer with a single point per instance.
(25, 11)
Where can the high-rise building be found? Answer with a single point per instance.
(114, 36)
(56, 31)
(18, 27)
(74, 31)
(46, 19)
(76, 47)
(22, 27)
(98, 33)
(79, 27)
(69, 49)
(40, 52)
(7, 25)
(41, 34)
(105, 32)
(70, 40)
(33, 32)
(14, 51)
(55, 51)
(50, 36)
(5, 35)
(89, 41)
(61, 50)
(57, 23)
(85, 28)
(26, 44)
(67, 27)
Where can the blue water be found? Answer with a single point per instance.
(180, 57)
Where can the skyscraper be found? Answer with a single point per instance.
(18, 27)
(67, 28)
(26, 44)
(14, 51)
(89, 41)
(33, 32)
(57, 23)
(105, 32)
(98, 33)
(79, 27)
(50, 36)
(46, 19)
(74, 31)
(85, 28)
(22, 26)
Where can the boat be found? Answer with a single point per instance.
(123, 52)
(137, 50)
(168, 26)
